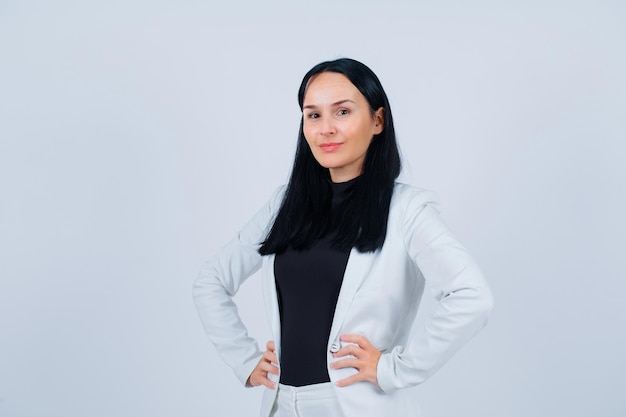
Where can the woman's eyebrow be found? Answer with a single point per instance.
(337, 103)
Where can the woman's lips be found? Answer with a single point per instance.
(329, 147)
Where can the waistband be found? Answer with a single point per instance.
(308, 392)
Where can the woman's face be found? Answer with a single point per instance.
(338, 124)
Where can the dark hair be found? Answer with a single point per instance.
(304, 214)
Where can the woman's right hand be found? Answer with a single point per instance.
(267, 365)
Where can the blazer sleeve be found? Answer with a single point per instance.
(219, 280)
(465, 300)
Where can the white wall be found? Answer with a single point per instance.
(130, 132)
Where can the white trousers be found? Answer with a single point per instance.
(317, 400)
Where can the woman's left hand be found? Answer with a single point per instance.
(365, 360)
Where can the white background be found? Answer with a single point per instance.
(136, 137)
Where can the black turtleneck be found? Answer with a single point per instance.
(308, 284)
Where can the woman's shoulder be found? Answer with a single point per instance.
(412, 198)
(268, 211)
(277, 196)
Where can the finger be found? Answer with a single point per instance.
(270, 356)
(261, 380)
(271, 346)
(268, 367)
(347, 363)
(260, 376)
(269, 384)
(350, 349)
(350, 380)
(359, 339)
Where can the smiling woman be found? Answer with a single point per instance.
(345, 253)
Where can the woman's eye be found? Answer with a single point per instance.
(313, 115)
(343, 112)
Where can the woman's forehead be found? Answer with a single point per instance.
(329, 88)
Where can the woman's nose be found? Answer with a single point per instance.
(328, 128)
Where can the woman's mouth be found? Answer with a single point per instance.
(329, 147)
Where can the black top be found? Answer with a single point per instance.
(308, 284)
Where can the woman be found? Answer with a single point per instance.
(345, 253)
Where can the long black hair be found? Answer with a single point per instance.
(304, 216)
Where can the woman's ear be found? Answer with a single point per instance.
(379, 120)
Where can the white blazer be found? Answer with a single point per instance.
(379, 298)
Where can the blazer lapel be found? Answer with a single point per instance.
(357, 269)
(270, 296)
